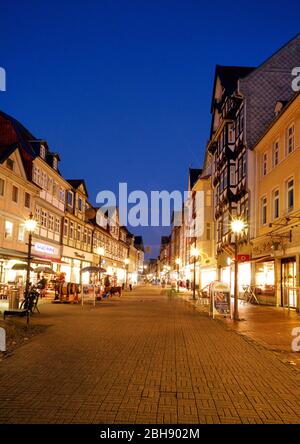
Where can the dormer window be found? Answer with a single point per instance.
(42, 151)
(79, 204)
(10, 164)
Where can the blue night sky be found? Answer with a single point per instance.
(122, 89)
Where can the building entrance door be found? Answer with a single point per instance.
(288, 282)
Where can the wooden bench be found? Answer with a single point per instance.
(17, 312)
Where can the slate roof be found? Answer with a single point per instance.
(194, 174)
(75, 183)
(138, 243)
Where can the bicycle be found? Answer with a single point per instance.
(30, 301)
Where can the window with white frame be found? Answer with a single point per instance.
(78, 232)
(275, 153)
(51, 222)
(44, 219)
(38, 214)
(290, 140)
(290, 194)
(71, 230)
(70, 198)
(264, 210)
(21, 233)
(62, 195)
(44, 180)
(8, 229)
(50, 185)
(275, 204)
(54, 191)
(66, 227)
(57, 225)
(42, 151)
(264, 164)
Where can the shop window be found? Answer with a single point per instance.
(8, 229)
(27, 200)
(15, 194)
(1, 187)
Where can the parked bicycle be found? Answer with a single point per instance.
(31, 300)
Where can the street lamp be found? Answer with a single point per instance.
(126, 261)
(30, 226)
(178, 262)
(237, 226)
(195, 255)
(101, 252)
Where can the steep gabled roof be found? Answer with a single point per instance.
(7, 151)
(139, 243)
(76, 183)
(229, 76)
(194, 174)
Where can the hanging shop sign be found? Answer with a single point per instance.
(220, 298)
(243, 257)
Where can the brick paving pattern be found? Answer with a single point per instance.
(144, 358)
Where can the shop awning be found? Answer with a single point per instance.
(46, 259)
(6, 253)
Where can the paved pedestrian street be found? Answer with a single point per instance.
(144, 358)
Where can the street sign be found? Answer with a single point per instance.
(243, 257)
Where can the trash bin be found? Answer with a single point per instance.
(13, 302)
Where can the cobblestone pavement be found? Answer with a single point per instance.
(144, 358)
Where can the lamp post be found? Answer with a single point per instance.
(195, 255)
(178, 262)
(101, 252)
(237, 226)
(126, 261)
(30, 226)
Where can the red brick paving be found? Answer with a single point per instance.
(144, 358)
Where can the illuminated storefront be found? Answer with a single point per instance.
(74, 261)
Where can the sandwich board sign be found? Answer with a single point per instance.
(220, 302)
